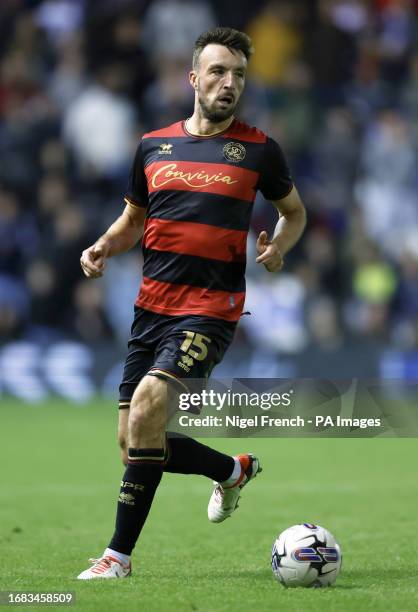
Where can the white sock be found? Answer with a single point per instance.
(236, 473)
(124, 559)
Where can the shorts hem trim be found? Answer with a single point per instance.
(166, 374)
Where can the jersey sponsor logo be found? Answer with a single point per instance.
(165, 149)
(234, 151)
(196, 180)
(204, 177)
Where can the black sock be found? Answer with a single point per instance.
(140, 481)
(187, 456)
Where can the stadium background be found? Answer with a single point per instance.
(335, 81)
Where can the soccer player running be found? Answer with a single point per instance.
(190, 197)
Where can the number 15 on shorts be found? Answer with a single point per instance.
(195, 345)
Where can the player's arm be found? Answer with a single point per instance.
(121, 236)
(289, 228)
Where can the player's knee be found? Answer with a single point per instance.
(148, 406)
(150, 398)
(146, 420)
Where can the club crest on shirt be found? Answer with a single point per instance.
(165, 148)
(234, 151)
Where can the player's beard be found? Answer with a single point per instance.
(213, 115)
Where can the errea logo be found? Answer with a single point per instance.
(187, 360)
(165, 149)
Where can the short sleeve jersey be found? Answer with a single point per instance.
(199, 194)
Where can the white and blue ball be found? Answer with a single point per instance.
(306, 555)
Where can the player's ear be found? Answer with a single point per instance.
(193, 79)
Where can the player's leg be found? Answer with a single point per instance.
(231, 474)
(200, 351)
(138, 361)
(183, 455)
(165, 336)
(146, 435)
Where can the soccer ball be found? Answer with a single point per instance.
(306, 555)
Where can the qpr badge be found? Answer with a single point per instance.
(234, 151)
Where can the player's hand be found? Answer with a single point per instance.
(268, 253)
(93, 260)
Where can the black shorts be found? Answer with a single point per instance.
(173, 348)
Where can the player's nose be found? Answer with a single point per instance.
(228, 81)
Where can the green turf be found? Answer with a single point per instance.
(59, 482)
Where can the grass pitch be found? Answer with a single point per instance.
(60, 475)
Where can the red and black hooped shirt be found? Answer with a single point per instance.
(199, 193)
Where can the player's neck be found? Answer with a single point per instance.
(200, 126)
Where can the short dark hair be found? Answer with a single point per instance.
(228, 37)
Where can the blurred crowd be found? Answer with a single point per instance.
(334, 81)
